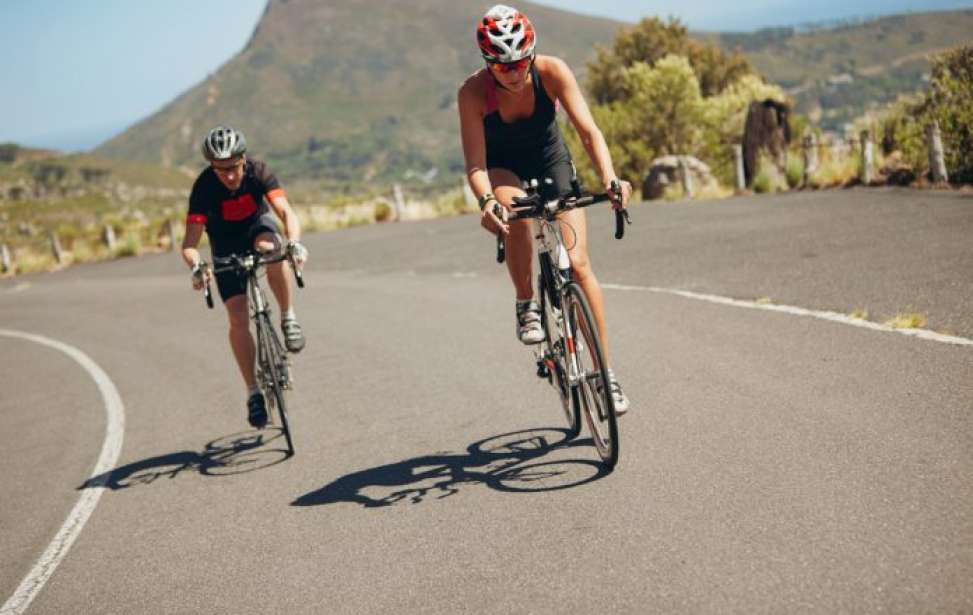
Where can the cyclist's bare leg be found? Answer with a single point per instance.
(520, 242)
(278, 274)
(241, 341)
(574, 228)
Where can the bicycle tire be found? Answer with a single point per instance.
(554, 350)
(599, 408)
(273, 358)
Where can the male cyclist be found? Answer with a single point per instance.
(229, 201)
(510, 134)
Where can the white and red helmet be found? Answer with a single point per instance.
(505, 35)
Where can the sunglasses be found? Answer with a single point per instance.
(510, 67)
(225, 169)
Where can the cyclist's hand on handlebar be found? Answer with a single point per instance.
(201, 276)
(297, 252)
(620, 192)
(494, 218)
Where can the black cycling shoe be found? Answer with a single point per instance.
(257, 411)
(293, 334)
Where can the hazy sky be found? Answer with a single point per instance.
(76, 72)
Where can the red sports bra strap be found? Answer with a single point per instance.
(491, 95)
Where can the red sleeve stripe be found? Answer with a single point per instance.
(276, 192)
(196, 219)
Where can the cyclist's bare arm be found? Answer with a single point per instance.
(282, 207)
(190, 244)
(564, 86)
(190, 254)
(472, 107)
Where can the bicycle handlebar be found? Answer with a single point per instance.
(245, 263)
(533, 206)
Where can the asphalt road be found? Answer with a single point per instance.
(771, 462)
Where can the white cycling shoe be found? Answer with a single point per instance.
(529, 329)
(618, 395)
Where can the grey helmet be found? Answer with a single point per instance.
(223, 143)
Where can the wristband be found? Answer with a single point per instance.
(486, 198)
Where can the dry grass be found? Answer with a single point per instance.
(835, 171)
(907, 321)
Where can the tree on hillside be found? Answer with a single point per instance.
(659, 112)
(724, 117)
(902, 126)
(650, 41)
(950, 102)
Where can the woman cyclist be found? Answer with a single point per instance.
(510, 134)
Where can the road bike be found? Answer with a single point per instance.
(570, 357)
(273, 366)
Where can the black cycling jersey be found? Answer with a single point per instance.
(532, 147)
(234, 219)
(230, 217)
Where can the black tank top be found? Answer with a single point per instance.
(533, 140)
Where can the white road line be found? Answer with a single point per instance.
(112, 447)
(798, 311)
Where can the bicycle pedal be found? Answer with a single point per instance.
(542, 370)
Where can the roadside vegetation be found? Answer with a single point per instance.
(94, 209)
(656, 92)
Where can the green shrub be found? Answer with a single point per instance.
(383, 212)
(768, 178)
(794, 172)
(130, 245)
(950, 102)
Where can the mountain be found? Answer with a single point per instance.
(29, 174)
(837, 73)
(776, 13)
(347, 90)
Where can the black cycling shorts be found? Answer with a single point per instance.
(229, 283)
(559, 175)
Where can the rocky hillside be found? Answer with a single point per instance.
(347, 90)
(837, 73)
(31, 174)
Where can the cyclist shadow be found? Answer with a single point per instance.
(233, 454)
(509, 462)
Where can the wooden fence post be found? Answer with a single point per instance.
(809, 148)
(687, 178)
(109, 236)
(6, 266)
(56, 248)
(867, 157)
(398, 201)
(741, 178)
(937, 157)
(171, 230)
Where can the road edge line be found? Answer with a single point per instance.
(799, 311)
(110, 451)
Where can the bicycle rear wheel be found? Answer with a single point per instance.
(554, 352)
(274, 366)
(593, 387)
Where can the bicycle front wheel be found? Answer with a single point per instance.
(554, 352)
(591, 374)
(274, 366)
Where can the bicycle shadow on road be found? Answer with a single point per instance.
(236, 453)
(508, 462)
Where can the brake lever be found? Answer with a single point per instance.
(501, 246)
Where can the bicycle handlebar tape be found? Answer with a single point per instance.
(501, 249)
(209, 297)
(299, 277)
(619, 225)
